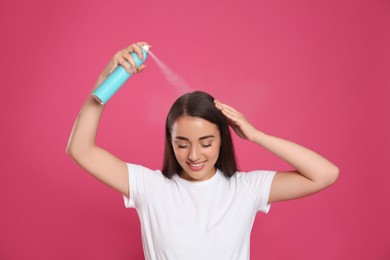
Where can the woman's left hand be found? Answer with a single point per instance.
(237, 121)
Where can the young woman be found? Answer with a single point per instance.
(199, 206)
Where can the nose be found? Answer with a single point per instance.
(194, 154)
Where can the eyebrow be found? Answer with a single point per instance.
(200, 138)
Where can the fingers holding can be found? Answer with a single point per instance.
(137, 49)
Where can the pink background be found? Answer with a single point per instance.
(315, 72)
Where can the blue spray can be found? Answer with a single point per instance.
(116, 79)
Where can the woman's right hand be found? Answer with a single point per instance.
(124, 58)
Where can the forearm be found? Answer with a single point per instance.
(307, 162)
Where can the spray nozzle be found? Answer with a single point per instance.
(146, 47)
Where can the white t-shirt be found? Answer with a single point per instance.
(208, 220)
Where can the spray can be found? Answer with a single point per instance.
(116, 79)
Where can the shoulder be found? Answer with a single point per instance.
(141, 181)
(254, 175)
(139, 169)
(258, 184)
(255, 181)
(142, 173)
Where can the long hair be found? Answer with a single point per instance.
(199, 104)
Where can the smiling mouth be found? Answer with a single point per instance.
(196, 166)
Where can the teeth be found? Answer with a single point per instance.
(196, 165)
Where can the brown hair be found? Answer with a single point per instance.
(199, 104)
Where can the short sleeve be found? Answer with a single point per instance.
(140, 180)
(259, 185)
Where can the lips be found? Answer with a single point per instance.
(196, 166)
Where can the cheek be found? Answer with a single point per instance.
(214, 152)
(180, 154)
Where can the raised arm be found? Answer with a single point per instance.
(313, 172)
(82, 145)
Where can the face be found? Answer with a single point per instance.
(196, 143)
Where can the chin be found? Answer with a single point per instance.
(198, 175)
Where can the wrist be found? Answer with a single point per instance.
(258, 137)
(99, 81)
